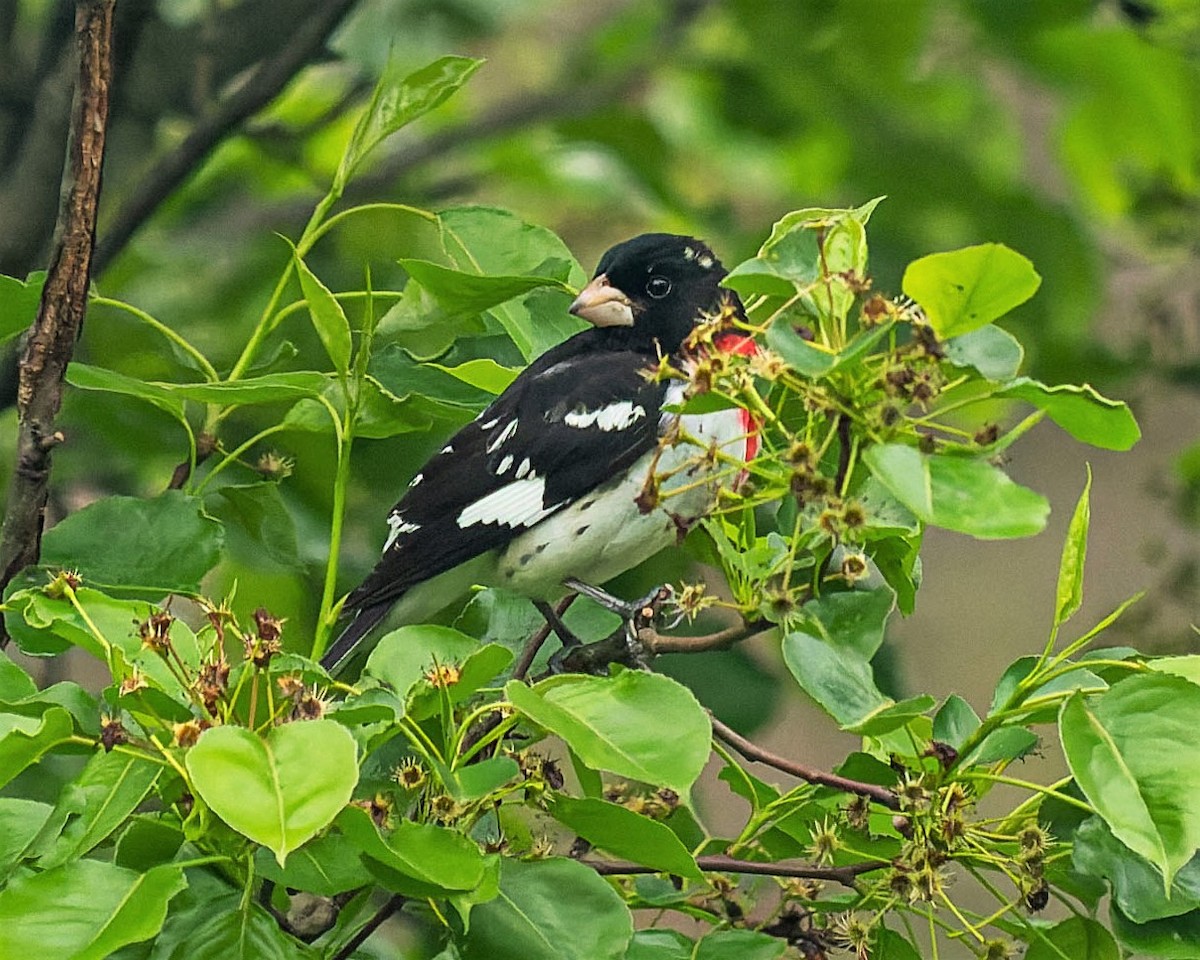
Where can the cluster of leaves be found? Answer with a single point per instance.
(237, 801)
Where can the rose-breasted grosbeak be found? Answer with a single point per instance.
(550, 481)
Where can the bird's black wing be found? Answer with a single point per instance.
(579, 415)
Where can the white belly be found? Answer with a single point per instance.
(604, 534)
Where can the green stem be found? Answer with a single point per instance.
(1028, 785)
(210, 373)
(236, 454)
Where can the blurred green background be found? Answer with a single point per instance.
(1067, 129)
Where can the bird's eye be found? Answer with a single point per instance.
(658, 287)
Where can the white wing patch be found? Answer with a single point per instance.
(523, 468)
(509, 429)
(616, 416)
(516, 504)
(415, 480)
(399, 526)
(505, 463)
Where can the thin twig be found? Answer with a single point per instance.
(656, 642)
(393, 904)
(751, 751)
(538, 638)
(723, 864)
(263, 86)
(51, 341)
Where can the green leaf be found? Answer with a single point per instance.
(328, 317)
(968, 496)
(438, 859)
(380, 413)
(1081, 411)
(739, 945)
(954, 721)
(147, 842)
(84, 910)
(1006, 743)
(23, 740)
(659, 944)
(20, 822)
(269, 788)
(159, 546)
(889, 945)
(326, 866)
(1173, 938)
(807, 359)
(15, 683)
(855, 619)
(1137, 885)
(479, 779)
(1069, 592)
(624, 833)
(1186, 666)
(484, 373)
(1080, 938)
(404, 657)
(19, 301)
(962, 290)
(109, 789)
(268, 388)
(549, 910)
(403, 376)
(258, 510)
(483, 240)
(992, 351)
(838, 678)
(615, 724)
(226, 929)
(398, 101)
(464, 294)
(1123, 750)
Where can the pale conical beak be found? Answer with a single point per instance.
(602, 304)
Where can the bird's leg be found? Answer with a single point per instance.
(638, 613)
(556, 624)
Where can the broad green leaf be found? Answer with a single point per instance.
(326, 866)
(624, 833)
(396, 102)
(258, 511)
(1172, 938)
(328, 317)
(147, 842)
(19, 302)
(739, 945)
(403, 376)
(1069, 592)
(1137, 885)
(476, 780)
(462, 293)
(962, 290)
(84, 910)
(405, 658)
(954, 721)
(1081, 411)
(615, 724)
(549, 910)
(660, 944)
(992, 351)
(838, 678)
(267, 388)
(226, 929)
(438, 859)
(484, 373)
(1123, 749)
(968, 496)
(488, 241)
(268, 788)
(854, 619)
(98, 801)
(893, 716)
(1003, 744)
(890, 945)
(20, 822)
(164, 545)
(1186, 666)
(15, 683)
(1080, 938)
(808, 359)
(23, 740)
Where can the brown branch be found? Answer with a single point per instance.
(656, 642)
(262, 87)
(534, 643)
(751, 751)
(723, 864)
(51, 341)
(394, 903)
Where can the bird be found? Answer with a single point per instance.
(550, 482)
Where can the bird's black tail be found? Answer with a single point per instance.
(358, 628)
